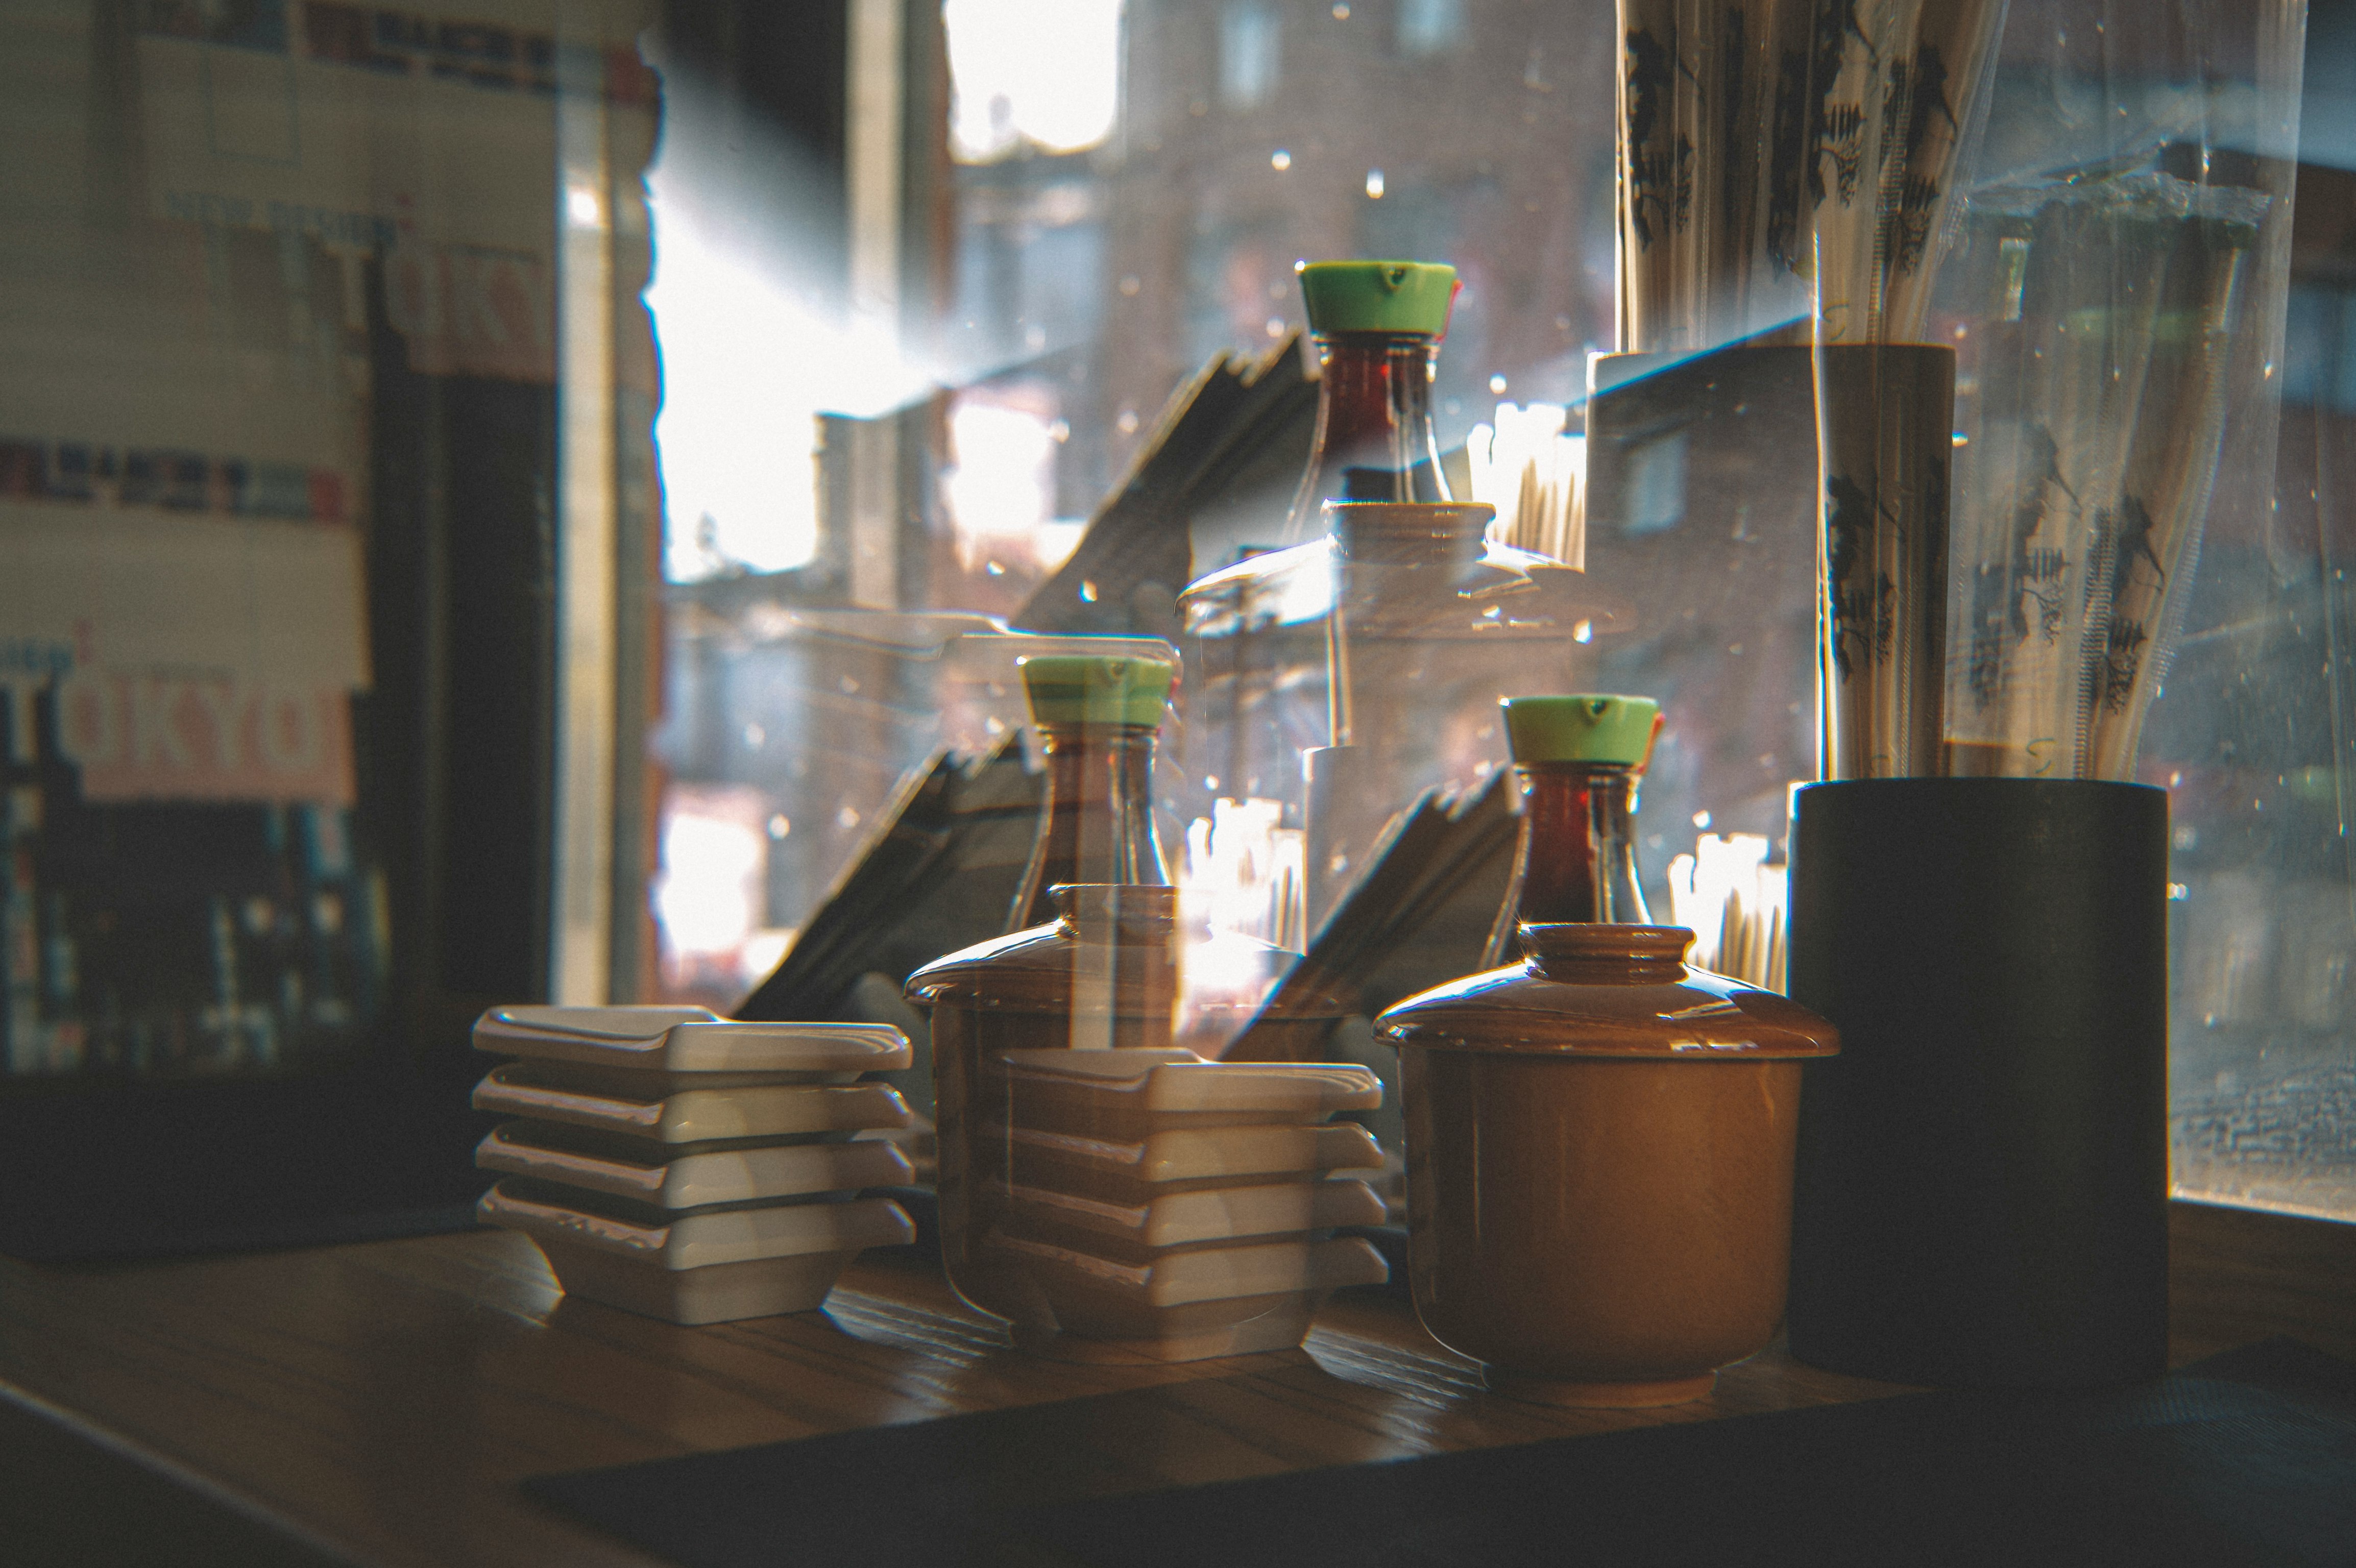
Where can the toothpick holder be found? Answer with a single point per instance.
(1982, 1188)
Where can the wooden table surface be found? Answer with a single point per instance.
(377, 1402)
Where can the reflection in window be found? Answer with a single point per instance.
(1427, 26)
(1656, 485)
(2251, 738)
(1250, 40)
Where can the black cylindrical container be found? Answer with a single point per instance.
(1982, 1193)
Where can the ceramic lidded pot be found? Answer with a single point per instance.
(1600, 1147)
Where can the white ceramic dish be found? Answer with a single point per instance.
(719, 1293)
(699, 1241)
(1112, 1171)
(542, 1091)
(651, 1084)
(687, 1040)
(703, 1268)
(1188, 1219)
(696, 1180)
(1113, 1092)
(1184, 1306)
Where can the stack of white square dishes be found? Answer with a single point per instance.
(681, 1165)
(1177, 1207)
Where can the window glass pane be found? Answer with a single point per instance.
(1069, 265)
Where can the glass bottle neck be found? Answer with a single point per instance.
(1375, 438)
(1096, 824)
(1577, 861)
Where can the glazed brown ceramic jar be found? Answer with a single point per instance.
(1600, 1145)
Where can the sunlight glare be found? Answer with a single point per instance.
(1041, 71)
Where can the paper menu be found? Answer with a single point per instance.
(192, 657)
(427, 140)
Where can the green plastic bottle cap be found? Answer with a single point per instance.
(1377, 296)
(1584, 728)
(1094, 688)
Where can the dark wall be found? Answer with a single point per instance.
(458, 733)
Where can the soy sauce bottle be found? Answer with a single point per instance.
(1256, 629)
(1096, 717)
(1579, 758)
